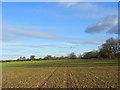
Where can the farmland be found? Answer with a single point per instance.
(60, 74)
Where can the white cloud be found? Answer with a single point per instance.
(15, 33)
(80, 5)
(69, 44)
(90, 10)
(91, 41)
(113, 30)
(105, 24)
(69, 4)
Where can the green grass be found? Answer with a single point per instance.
(79, 74)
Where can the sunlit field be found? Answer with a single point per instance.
(60, 74)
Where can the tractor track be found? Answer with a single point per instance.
(48, 77)
(67, 83)
(74, 80)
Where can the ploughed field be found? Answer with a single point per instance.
(60, 74)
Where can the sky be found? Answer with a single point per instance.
(56, 28)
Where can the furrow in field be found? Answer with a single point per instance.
(65, 78)
(67, 83)
(93, 77)
(104, 81)
(74, 85)
(56, 81)
(47, 78)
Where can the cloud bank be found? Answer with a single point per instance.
(106, 24)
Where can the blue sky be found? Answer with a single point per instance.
(57, 29)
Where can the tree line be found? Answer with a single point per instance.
(108, 50)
